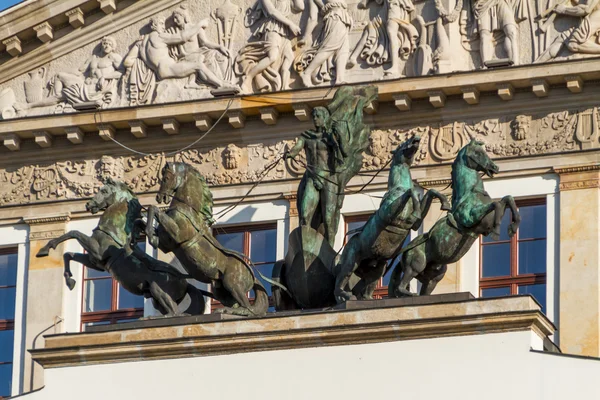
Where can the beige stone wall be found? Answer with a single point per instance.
(580, 260)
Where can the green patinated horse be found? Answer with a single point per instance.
(380, 239)
(473, 213)
(184, 229)
(109, 250)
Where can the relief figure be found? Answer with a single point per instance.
(95, 81)
(498, 15)
(265, 63)
(331, 50)
(388, 37)
(583, 39)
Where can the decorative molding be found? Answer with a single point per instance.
(576, 185)
(577, 169)
(46, 235)
(434, 183)
(47, 220)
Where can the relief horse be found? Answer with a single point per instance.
(473, 213)
(380, 239)
(184, 229)
(110, 249)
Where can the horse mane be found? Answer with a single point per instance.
(207, 198)
(459, 157)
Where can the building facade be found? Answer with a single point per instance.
(95, 89)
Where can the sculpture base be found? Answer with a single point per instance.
(308, 269)
(453, 348)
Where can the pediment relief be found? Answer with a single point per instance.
(187, 50)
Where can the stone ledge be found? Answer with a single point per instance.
(389, 322)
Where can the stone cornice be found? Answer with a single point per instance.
(577, 169)
(47, 220)
(329, 328)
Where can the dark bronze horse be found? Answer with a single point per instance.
(109, 250)
(473, 213)
(184, 229)
(380, 239)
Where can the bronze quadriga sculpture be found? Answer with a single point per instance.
(110, 249)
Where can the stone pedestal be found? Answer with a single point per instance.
(449, 346)
(579, 271)
(45, 285)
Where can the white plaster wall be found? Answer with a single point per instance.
(18, 236)
(489, 366)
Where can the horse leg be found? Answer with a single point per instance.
(163, 299)
(411, 264)
(371, 280)
(233, 284)
(150, 232)
(416, 204)
(168, 224)
(431, 277)
(88, 243)
(83, 259)
(348, 264)
(516, 216)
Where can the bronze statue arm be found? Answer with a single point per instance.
(297, 148)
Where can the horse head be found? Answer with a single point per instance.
(184, 183)
(405, 152)
(109, 194)
(475, 157)
(173, 174)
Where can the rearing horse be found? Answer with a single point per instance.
(109, 249)
(368, 252)
(184, 229)
(473, 213)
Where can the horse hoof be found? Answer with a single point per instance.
(446, 207)
(71, 283)
(44, 252)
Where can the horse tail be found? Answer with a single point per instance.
(197, 301)
(261, 299)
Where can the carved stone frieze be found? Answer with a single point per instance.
(199, 49)
(506, 136)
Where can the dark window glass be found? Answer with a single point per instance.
(232, 241)
(496, 260)
(263, 245)
(533, 222)
(495, 292)
(8, 269)
(5, 380)
(537, 291)
(7, 302)
(129, 300)
(532, 257)
(6, 345)
(98, 295)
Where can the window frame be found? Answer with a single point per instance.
(220, 229)
(514, 280)
(9, 324)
